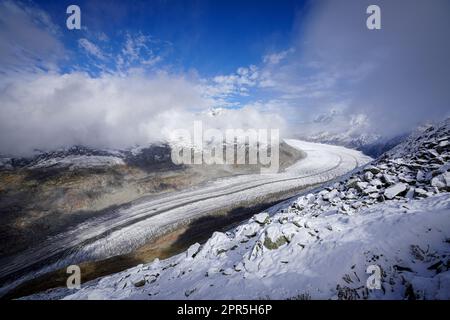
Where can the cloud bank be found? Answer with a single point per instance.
(335, 75)
(397, 77)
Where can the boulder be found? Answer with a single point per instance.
(250, 230)
(421, 176)
(289, 230)
(261, 218)
(410, 193)
(395, 190)
(368, 176)
(388, 179)
(330, 195)
(372, 169)
(441, 181)
(274, 238)
(360, 186)
(193, 250)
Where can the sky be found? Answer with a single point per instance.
(137, 70)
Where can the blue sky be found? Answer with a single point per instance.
(138, 70)
(212, 37)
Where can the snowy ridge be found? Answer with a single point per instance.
(79, 162)
(393, 213)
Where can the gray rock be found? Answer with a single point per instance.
(410, 193)
(441, 181)
(388, 179)
(372, 169)
(360, 186)
(368, 176)
(262, 218)
(395, 190)
(193, 250)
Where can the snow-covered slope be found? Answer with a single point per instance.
(393, 213)
(81, 157)
(126, 229)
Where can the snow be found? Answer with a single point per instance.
(79, 162)
(262, 217)
(315, 261)
(391, 192)
(318, 245)
(124, 230)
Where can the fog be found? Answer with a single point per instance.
(397, 77)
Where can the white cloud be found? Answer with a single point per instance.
(277, 57)
(28, 39)
(397, 76)
(91, 48)
(46, 111)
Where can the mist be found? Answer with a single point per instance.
(395, 78)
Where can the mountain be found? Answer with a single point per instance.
(392, 215)
(82, 157)
(372, 145)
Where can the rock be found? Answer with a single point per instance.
(370, 189)
(289, 230)
(446, 176)
(372, 169)
(283, 218)
(441, 181)
(345, 208)
(421, 176)
(388, 179)
(433, 153)
(217, 244)
(298, 221)
(139, 282)
(395, 190)
(351, 183)
(421, 192)
(368, 176)
(274, 238)
(356, 205)
(323, 194)
(250, 230)
(227, 272)
(193, 250)
(376, 182)
(239, 267)
(374, 195)
(311, 198)
(262, 218)
(330, 195)
(406, 178)
(211, 271)
(410, 193)
(351, 194)
(360, 186)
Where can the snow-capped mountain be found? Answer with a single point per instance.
(392, 215)
(81, 157)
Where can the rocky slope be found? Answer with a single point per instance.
(393, 214)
